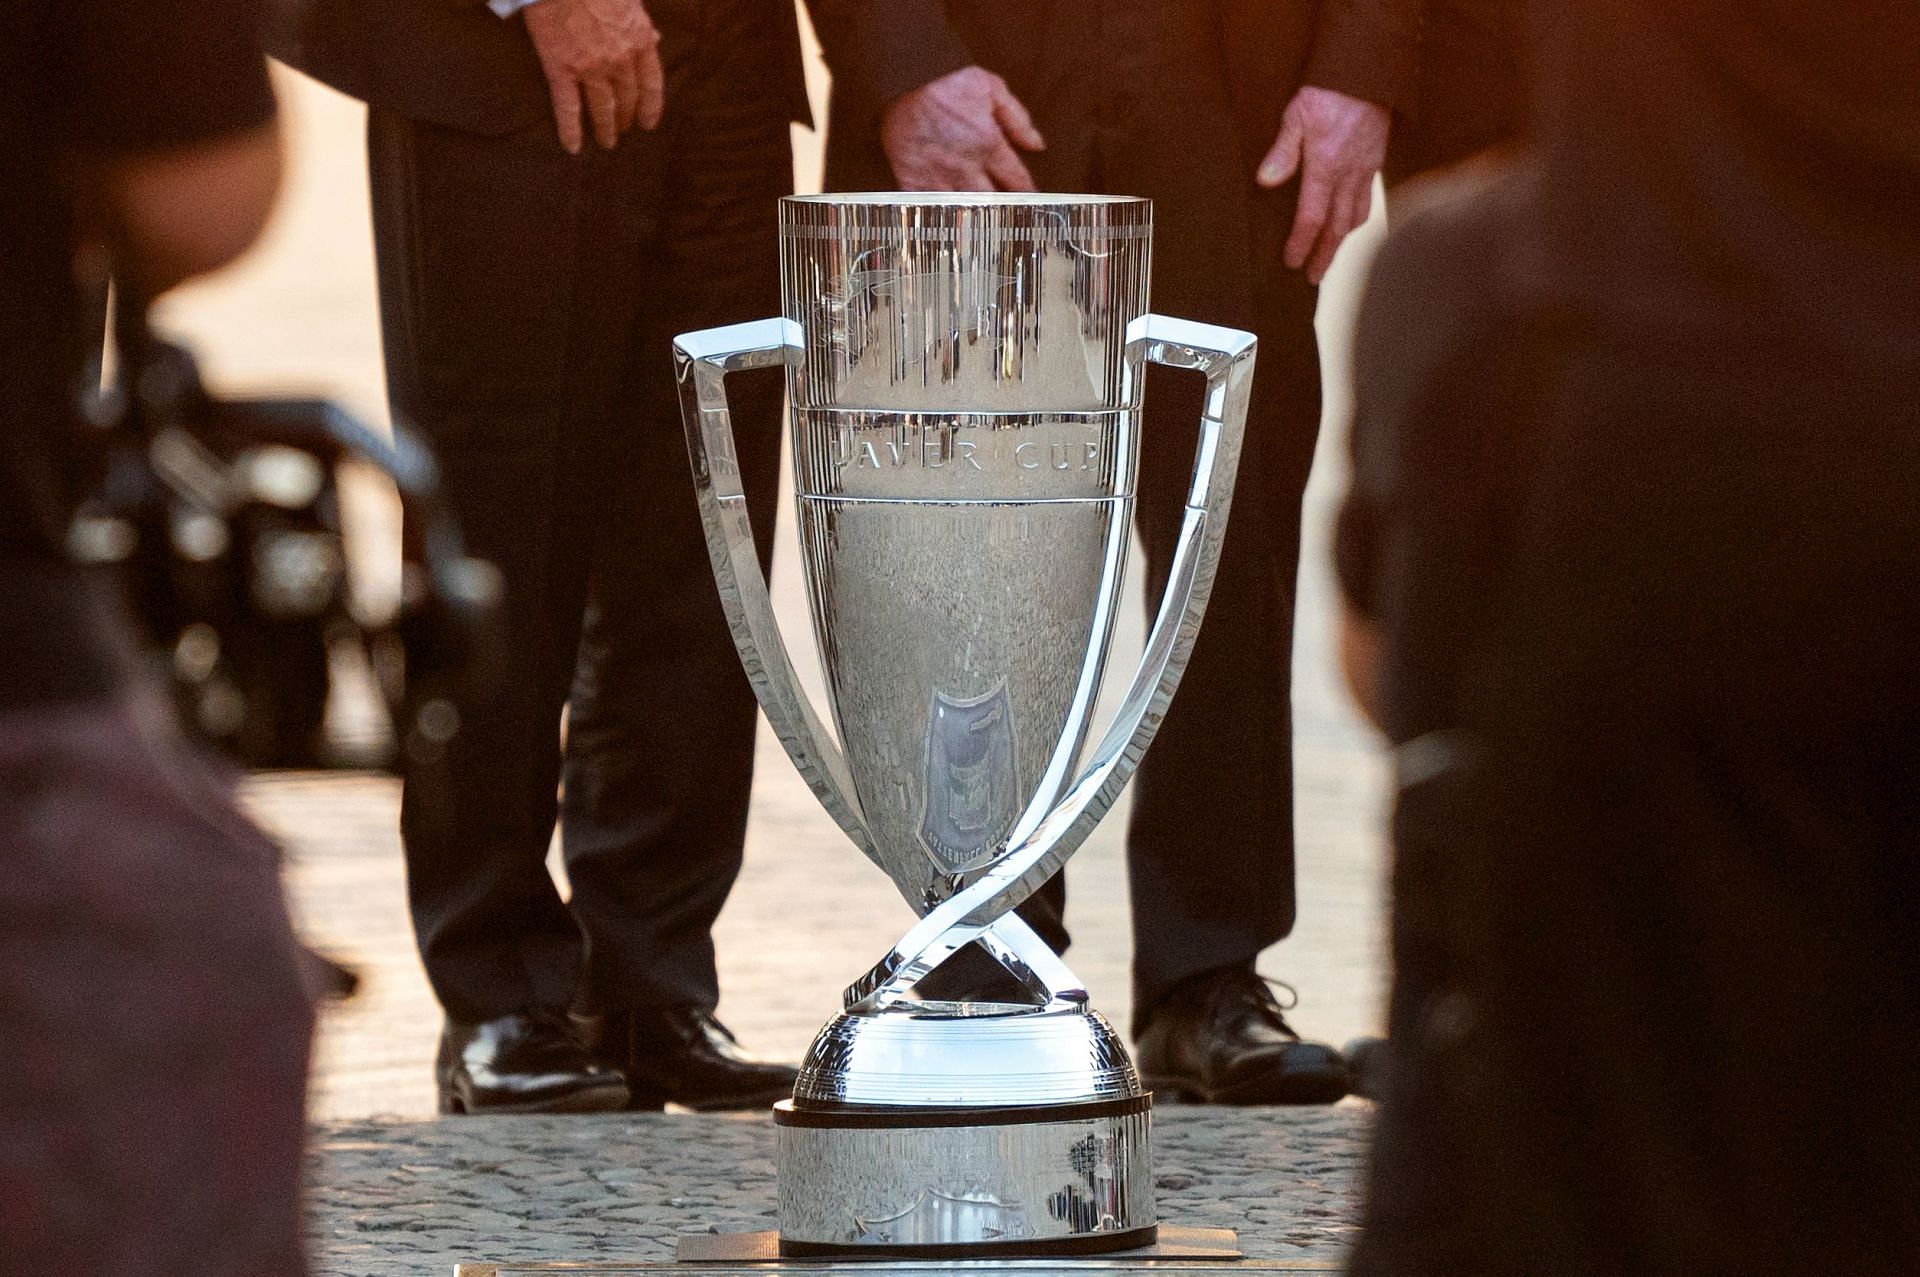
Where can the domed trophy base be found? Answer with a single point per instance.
(966, 1130)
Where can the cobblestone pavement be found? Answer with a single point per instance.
(809, 913)
(416, 1198)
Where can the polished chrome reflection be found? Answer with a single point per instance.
(946, 1186)
(964, 454)
(952, 1054)
(965, 375)
(1017, 304)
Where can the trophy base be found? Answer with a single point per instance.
(965, 1183)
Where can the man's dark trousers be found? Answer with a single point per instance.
(1133, 99)
(529, 299)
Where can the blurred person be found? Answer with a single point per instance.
(559, 188)
(1468, 107)
(1257, 130)
(154, 1029)
(1631, 552)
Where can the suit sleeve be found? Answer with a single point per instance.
(881, 49)
(1368, 49)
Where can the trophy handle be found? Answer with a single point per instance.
(1042, 842)
(701, 362)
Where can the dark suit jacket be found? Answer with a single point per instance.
(880, 49)
(453, 62)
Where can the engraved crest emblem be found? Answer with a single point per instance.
(972, 791)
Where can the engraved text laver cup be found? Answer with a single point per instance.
(965, 374)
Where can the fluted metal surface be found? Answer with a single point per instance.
(973, 303)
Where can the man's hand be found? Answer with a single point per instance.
(1336, 143)
(604, 53)
(957, 133)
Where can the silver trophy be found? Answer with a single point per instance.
(965, 373)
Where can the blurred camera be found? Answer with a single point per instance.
(224, 524)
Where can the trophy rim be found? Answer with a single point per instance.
(962, 199)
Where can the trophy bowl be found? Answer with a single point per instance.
(965, 377)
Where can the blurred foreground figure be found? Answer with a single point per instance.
(153, 1027)
(1633, 548)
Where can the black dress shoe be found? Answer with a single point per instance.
(684, 1056)
(526, 1062)
(1220, 1038)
